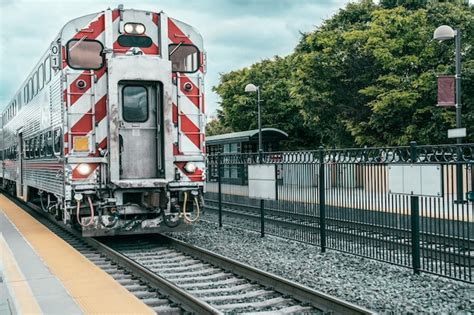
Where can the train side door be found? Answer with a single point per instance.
(140, 138)
(20, 157)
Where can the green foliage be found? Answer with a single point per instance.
(215, 127)
(367, 76)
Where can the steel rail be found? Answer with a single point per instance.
(180, 296)
(319, 300)
(463, 259)
(426, 236)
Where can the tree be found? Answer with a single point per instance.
(215, 127)
(367, 76)
(279, 109)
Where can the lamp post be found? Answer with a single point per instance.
(445, 32)
(442, 33)
(251, 88)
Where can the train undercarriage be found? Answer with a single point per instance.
(123, 212)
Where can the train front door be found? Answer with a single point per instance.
(140, 138)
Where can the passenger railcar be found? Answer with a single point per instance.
(107, 131)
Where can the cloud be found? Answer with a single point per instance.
(237, 33)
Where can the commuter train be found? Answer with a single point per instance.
(106, 134)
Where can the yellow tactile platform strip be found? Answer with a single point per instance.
(94, 291)
(25, 301)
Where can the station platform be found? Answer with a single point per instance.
(42, 274)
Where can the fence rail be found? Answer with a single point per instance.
(340, 199)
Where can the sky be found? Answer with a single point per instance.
(236, 33)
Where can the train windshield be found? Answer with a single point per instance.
(184, 58)
(85, 54)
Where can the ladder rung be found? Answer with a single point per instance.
(87, 73)
(78, 93)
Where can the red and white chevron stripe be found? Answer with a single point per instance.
(188, 109)
(80, 103)
(187, 114)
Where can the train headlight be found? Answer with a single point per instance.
(84, 169)
(190, 167)
(134, 28)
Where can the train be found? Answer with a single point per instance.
(106, 134)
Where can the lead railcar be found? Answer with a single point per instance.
(107, 132)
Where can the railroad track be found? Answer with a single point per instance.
(159, 294)
(173, 277)
(441, 247)
(227, 285)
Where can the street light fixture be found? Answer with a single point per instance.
(442, 33)
(251, 88)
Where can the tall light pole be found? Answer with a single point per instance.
(251, 88)
(442, 33)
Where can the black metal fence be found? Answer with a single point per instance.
(340, 199)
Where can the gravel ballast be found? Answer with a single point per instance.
(378, 286)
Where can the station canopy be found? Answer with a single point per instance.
(268, 135)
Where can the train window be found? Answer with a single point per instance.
(36, 144)
(41, 146)
(30, 89)
(25, 94)
(36, 82)
(25, 149)
(47, 69)
(32, 148)
(134, 41)
(29, 149)
(49, 143)
(135, 103)
(184, 58)
(57, 142)
(40, 77)
(85, 54)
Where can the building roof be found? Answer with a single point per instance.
(268, 134)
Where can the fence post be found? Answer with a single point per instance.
(415, 219)
(219, 187)
(262, 203)
(322, 201)
(459, 175)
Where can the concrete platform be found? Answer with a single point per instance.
(42, 274)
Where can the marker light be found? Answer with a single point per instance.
(81, 143)
(84, 169)
(139, 29)
(190, 167)
(134, 28)
(128, 28)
